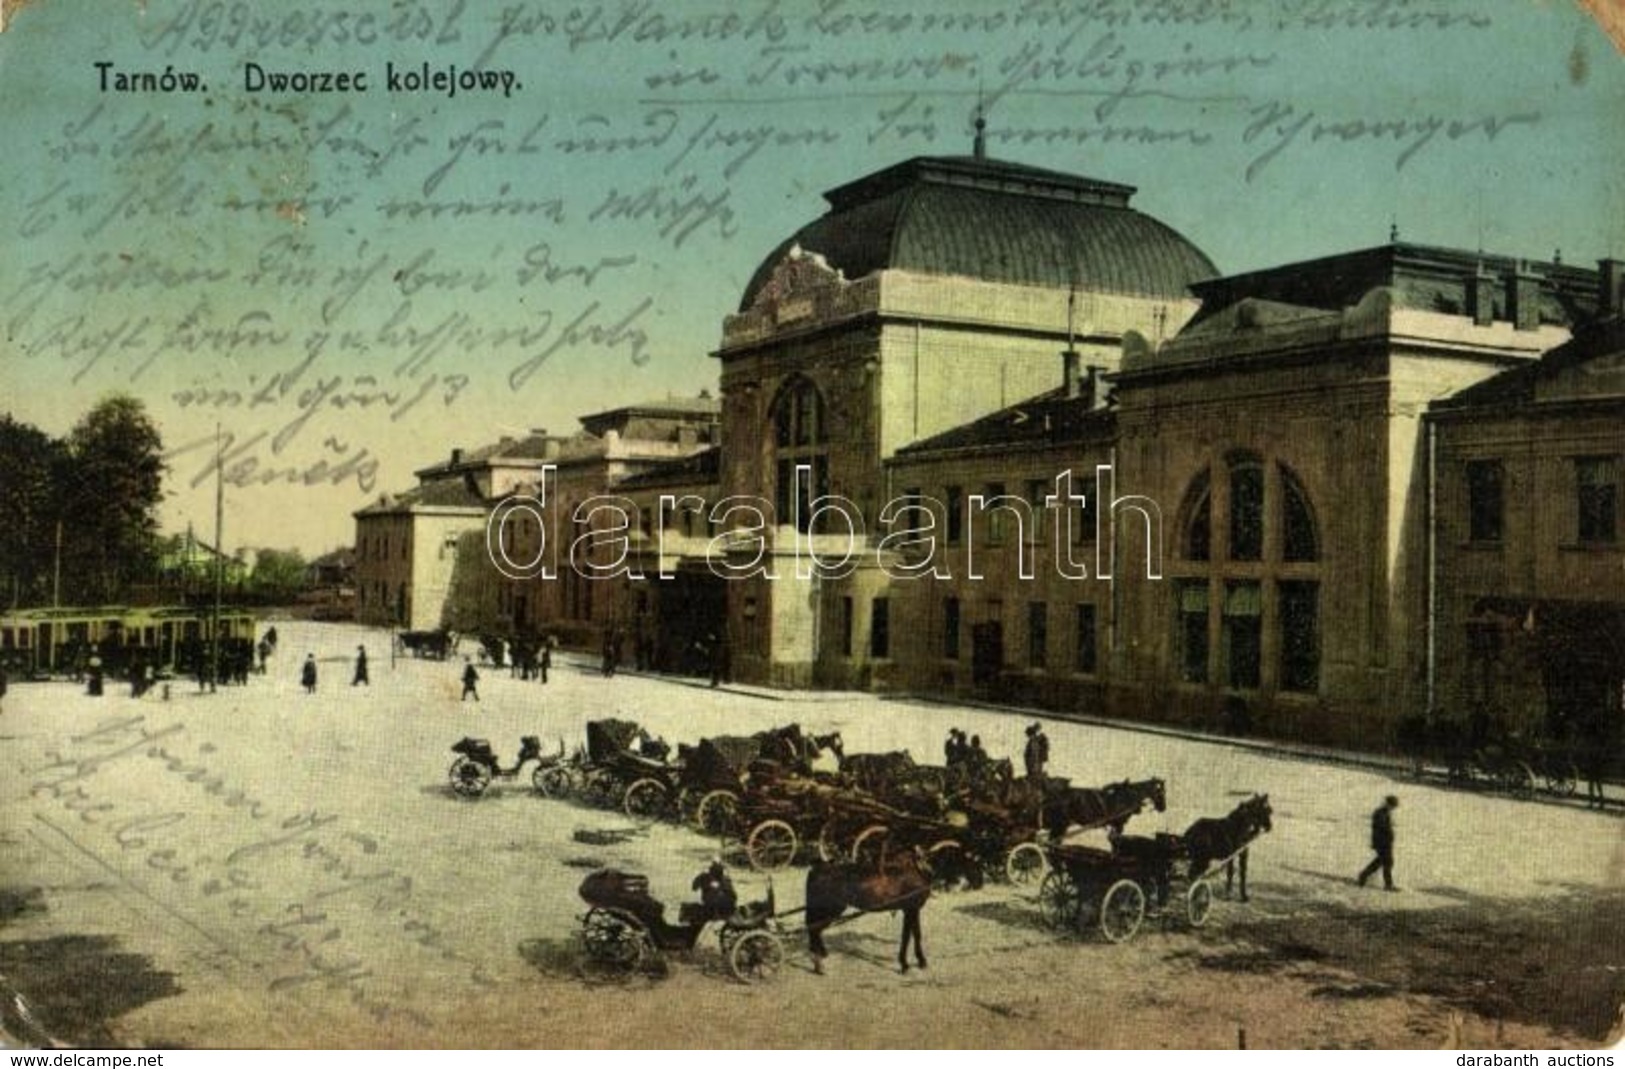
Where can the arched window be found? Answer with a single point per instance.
(1196, 542)
(1247, 608)
(800, 440)
(1297, 521)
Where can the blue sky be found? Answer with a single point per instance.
(351, 281)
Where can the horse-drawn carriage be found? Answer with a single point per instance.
(433, 645)
(625, 930)
(1475, 753)
(1142, 876)
(477, 765)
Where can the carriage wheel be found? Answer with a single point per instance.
(1517, 779)
(718, 813)
(645, 800)
(771, 846)
(469, 778)
(829, 847)
(1026, 864)
(947, 862)
(1121, 910)
(613, 942)
(1562, 778)
(1058, 899)
(552, 781)
(601, 789)
(870, 844)
(756, 956)
(1198, 903)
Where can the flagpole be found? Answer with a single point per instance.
(219, 549)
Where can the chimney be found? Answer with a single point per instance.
(1525, 310)
(456, 457)
(1611, 287)
(1096, 388)
(1070, 374)
(1481, 297)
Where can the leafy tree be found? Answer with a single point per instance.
(278, 573)
(30, 501)
(474, 590)
(110, 495)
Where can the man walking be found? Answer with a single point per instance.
(471, 680)
(360, 668)
(1382, 841)
(1036, 755)
(307, 675)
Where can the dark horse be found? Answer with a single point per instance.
(902, 882)
(1099, 807)
(1225, 838)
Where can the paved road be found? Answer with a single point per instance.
(260, 867)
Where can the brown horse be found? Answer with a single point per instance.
(1100, 807)
(1225, 838)
(900, 883)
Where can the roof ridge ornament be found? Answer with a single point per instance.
(979, 145)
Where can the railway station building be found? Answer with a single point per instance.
(1131, 485)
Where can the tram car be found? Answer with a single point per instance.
(42, 643)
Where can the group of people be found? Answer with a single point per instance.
(960, 750)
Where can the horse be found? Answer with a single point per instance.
(1223, 838)
(1108, 806)
(901, 883)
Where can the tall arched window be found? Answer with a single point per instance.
(800, 440)
(1246, 604)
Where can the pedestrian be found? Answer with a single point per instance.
(264, 652)
(471, 680)
(606, 666)
(360, 668)
(1382, 841)
(307, 674)
(547, 658)
(95, 666)
(719, 660)
(1036, 755)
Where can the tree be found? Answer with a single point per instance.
(30, 502)
(279, 574)
(111, 494)
(472, 597)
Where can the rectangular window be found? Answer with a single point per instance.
(954, 499)
(880, 628)
(1484, 500)
(1191, 630)
(846, 627)
(1083, 524)
(1037, 634)
(1085, 662)
(1300, 636)
(998, 519)
(1037, 490)
(950, 629)
(1243, 634)
(1598, 482)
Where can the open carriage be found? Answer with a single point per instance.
(477, 765)
(625, 930)
(1158, 875)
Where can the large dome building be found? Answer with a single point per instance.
(930, 294)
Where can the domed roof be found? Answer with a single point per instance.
(997, 221)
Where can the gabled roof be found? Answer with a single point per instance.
(441, 494)
(1588, 367)
(704, 466)
(1422, 277)
(1050, 418)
